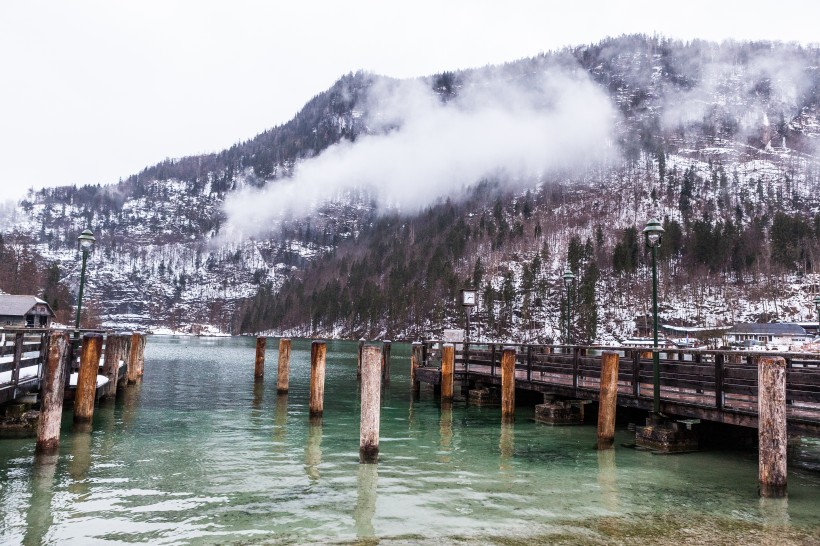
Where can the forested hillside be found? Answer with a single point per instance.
(718, 141)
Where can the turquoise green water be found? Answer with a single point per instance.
(198, 455)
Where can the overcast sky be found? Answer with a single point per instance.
(93, 91)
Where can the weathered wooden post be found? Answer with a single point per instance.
(111, 363)
(771, 427)
(53, 389)
(318, 351)
(87, 378)
(415, 362)
(259, 369)
(359, 361)
(134, 358)
(386, 362)
(508, 384)
(607, 399)
(143, 340)
(125, 351)
(283, 373)
(448, 362)
(371, 405)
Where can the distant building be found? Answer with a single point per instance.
(24, 312)
(775, 335)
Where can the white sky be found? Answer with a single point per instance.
(91, 91)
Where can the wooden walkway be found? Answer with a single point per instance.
(717, 386)
(22, 354)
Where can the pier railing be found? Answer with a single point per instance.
(709, 384)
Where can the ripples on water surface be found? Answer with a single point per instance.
(198, 454)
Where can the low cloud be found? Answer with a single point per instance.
(421, 149)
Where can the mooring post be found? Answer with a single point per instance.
(415, 362)
(318, 351)
(608, 399)
(448, 362)
(771, 426)
(508, 384)
(259, 369)
(283, 373)
(359, 361)
(134, 358)
(86, 391)
(111, 363)
(386, 362)
(53, 389)
(371, 405)
(125, 350)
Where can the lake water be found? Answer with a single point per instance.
(197, 454)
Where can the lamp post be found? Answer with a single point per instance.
(817, 305)
(653, 232)
(568, 278)
(468, 300)
(87, 241)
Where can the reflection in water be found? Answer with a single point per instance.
(80, 463)
(130, 403)
(775, 515)
(258, 392)
(313, 451)
(280, 418)
(368, 481)
(506, 446)
(607, 479)
(445, 432)
(39, 517)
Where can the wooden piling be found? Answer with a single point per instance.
(771, 428)
(125, 351)
(259, 369)
(359, 361)
(607, 399)
(111, 364)
(448, 362)
(371, 405)
(53, 389)
(86, 392)
(415, 362)
(134, 358)
(283, 372)
(386, 362)
(318, 351)
(141, 354)
(508, 384)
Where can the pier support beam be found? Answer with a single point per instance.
(560, 412)
(259, 368)
(508, 384)
(386, 362)
(415, 362)
(111, 365)
(134, 372)
(448, 361)
(87, 379)
(371, 405)
(318, 352)
(51, 410)
(772, 438)
(283, 372)
(608, 400)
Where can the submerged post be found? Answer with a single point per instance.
(87, 378)
(771, 427)
(283, 373)
(318, 350)
(448, 362)
(386, 362)
(508, 384)
(51, 410)
(415, 362)
(259, 369)
(111, 365)
(608, 399)
(371, 404)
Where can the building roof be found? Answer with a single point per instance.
(19, 306)
(773, 329)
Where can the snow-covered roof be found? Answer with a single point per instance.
(773, 328)
(19, 306)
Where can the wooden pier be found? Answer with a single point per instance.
(719, 386)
